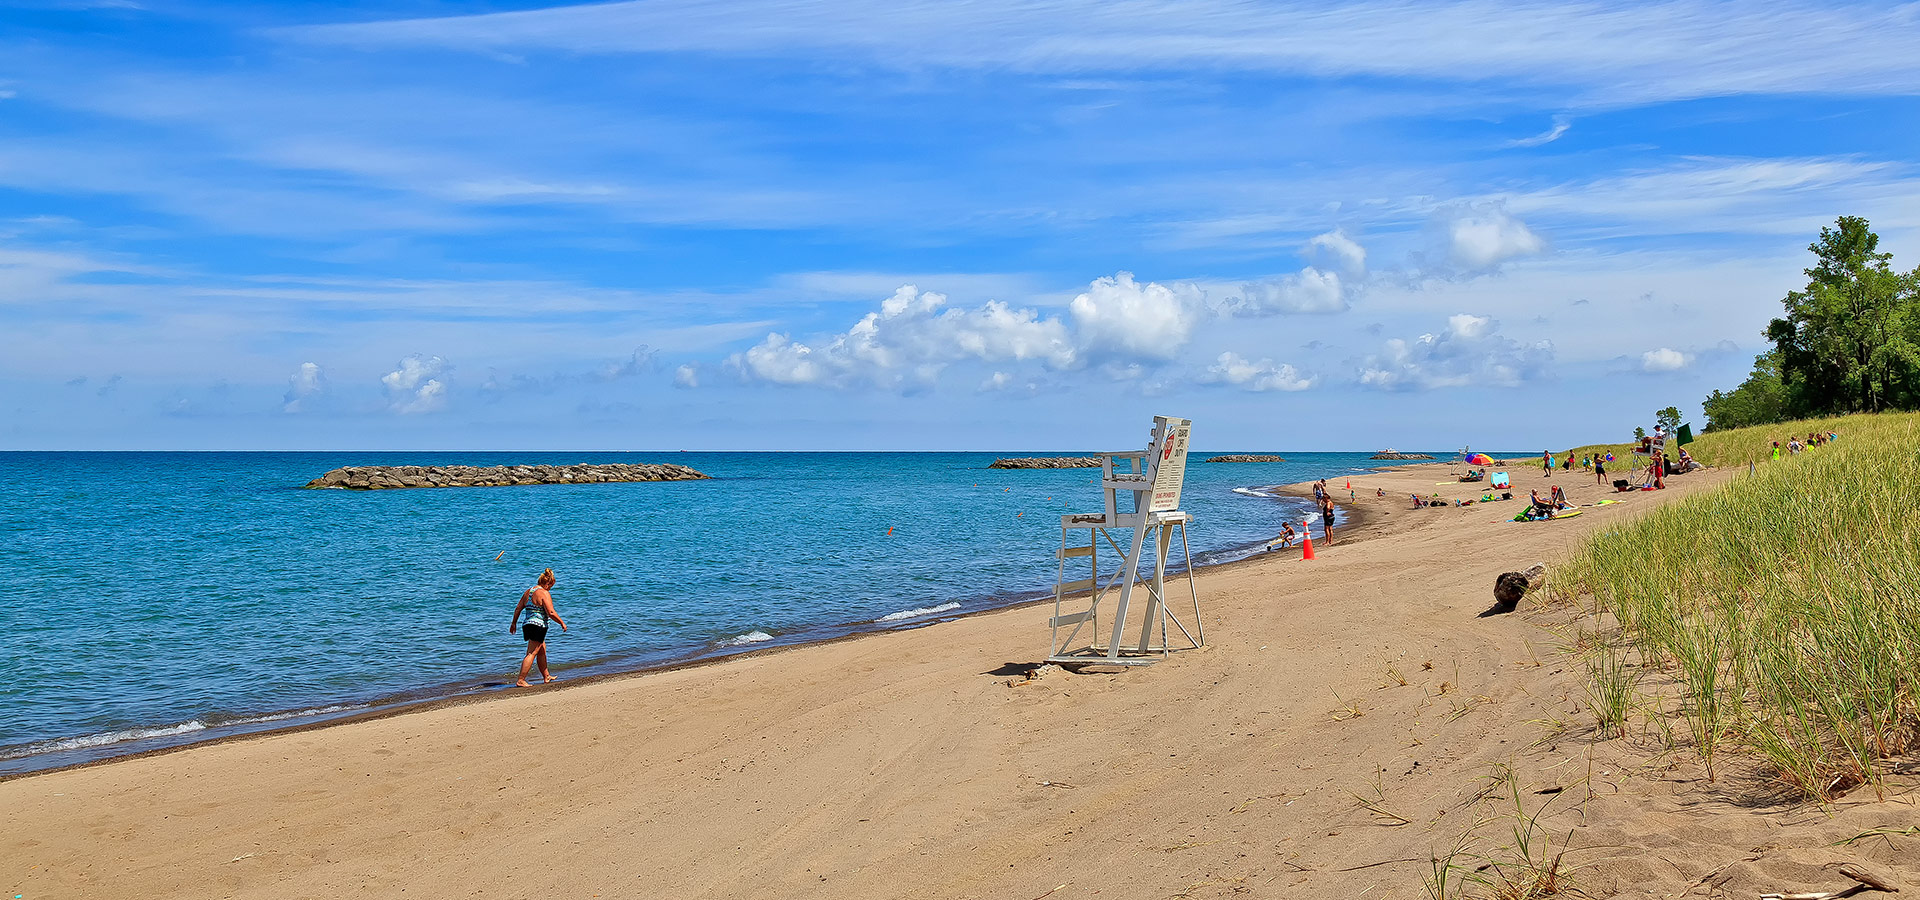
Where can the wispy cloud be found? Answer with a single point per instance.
(1665, 50)
(1560, 126)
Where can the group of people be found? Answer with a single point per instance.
(1814, 439)
(1288, 536)
(1553, 503)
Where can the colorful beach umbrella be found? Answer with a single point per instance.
(1479, 459)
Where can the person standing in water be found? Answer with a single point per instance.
(537, 602)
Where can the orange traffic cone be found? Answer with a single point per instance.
(1306, 541)
(1349, 484)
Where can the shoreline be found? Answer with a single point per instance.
(921, 764)
(430, 697)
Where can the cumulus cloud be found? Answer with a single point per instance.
(1474, 238)
(912, 336)
(1311, 290)
(1470, 351)
(1664, 360)
(1336, 250)
(1262, 375)
(686, 376)
(1120, 317)
(413, 386)
(640, 362)
(306, 382)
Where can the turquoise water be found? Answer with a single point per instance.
(161, 598)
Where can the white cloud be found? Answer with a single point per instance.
(1311, 290)
(686, 377)
(1470, 351)
(1336, 250)
(306, 382)
(641, 361)
(413, 388)
(1263, 375)
(1664, 360)
(1123, 318)
(1560, 126)
(1479, 237)
(911, 337)
(1666, 50)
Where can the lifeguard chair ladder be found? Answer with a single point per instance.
(1155, 496)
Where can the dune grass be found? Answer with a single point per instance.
(1785, 604)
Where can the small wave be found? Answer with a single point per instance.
(108, 738)
(104, 738)
(292, 714)
(751, 637)
(917, 613)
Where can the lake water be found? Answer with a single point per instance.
(161, 598)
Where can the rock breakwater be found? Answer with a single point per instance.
(1247, 457)
(374, 478)
(1395, 454)
(1047, 462)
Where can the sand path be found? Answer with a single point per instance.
(900, 765)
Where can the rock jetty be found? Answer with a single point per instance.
(1047, 462)
(1246, 457)
(374, 478)
(1395, 454)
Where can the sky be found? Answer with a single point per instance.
(917, 225)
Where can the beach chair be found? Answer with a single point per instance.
(1500, 480)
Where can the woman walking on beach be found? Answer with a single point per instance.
(537, 601)
(1326, 518)
(1599, 470)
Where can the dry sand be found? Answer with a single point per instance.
(908, 765)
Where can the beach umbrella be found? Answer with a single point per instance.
(1479, 459)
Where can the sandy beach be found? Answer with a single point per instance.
(1337, 732)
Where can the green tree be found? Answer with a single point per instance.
(1639, 434)
(1848, 341)
(1669, 418)
(1760, 400)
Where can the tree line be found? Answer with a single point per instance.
(1849, 341)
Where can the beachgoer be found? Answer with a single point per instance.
(1326, 518)
(1560, 499)
(537, 602)
(1320, 489)
(1776, 451)
(1286, 537)
(1599, 471)
(1546, 463)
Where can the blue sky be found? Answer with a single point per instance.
(759, 224)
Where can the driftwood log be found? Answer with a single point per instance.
(1511, 586)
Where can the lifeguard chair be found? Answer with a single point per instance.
(1152, 480)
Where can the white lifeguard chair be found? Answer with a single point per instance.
(1155, 496)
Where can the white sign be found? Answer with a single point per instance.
(1171, 469)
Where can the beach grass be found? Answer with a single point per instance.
(1785, 604)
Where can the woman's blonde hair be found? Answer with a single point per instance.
(546, 578)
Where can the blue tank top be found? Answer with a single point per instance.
(536, 615)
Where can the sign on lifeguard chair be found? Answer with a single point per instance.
(1152, 478)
